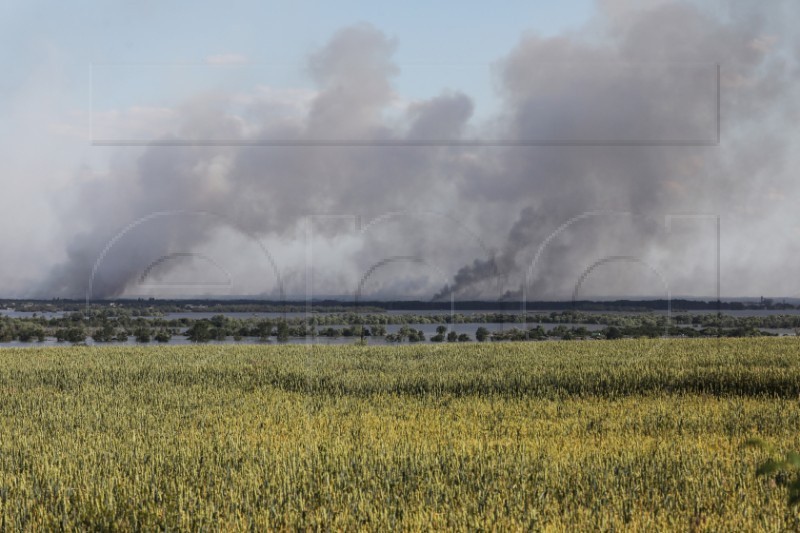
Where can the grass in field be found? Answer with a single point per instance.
(636, 435)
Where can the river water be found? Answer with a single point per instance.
(428, 329)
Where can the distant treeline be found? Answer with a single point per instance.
(152, 307)
(119, 324)
(128, 317)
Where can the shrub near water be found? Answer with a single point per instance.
(574, 435)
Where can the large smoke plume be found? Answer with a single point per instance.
(513, 197)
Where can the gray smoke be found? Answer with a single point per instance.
(636, 187)
(585, 94)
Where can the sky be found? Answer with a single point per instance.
(619, 99)
(70, 37)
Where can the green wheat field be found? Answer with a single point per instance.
(563, 436)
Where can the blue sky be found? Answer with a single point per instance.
(71, 36)
(136, 31)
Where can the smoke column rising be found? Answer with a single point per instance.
(585, 90)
